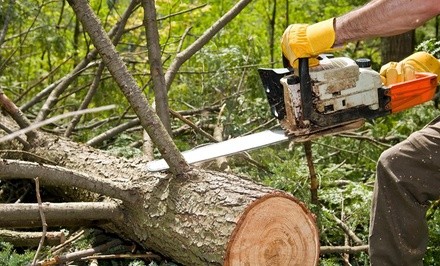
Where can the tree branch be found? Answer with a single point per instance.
(31, 239)
(314, 183)
(59, 176)
(343, 249)
(51, 120)
(154, 57)
(38, 82)
(148, 118)
(346, 229)
(6, 19)
(116, 31)
(376, 142)
(87, 99)
(60, 260)
(25, 144)
(222, 162)
(183, 56)
(17, 115)
(112, 132)
(62, 86)
(193, 126)
(149, 256)
(72, 238)
(42, 217)
(29, 214)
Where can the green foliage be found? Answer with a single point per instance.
(433, 251)
(431, 46)
(164, 263)
(121, 147)
(10, 257)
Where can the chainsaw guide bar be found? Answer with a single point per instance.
(248, 143)
(225, 148)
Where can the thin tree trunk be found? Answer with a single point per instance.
(272, 20)
(148, 118)
(396, 48)
(437, 27)
(6, 19)
(155, 59)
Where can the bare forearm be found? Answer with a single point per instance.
(381, 18)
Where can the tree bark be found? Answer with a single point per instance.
(155, 58)
(396, 48)
(16, 114)
(98, 140)
(344, 249)
(31, 239)
(26, 215)
(210, 218)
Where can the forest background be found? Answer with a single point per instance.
(42, 41)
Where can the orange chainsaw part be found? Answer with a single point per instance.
(405, 95)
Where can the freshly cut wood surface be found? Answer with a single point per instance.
(275, 230)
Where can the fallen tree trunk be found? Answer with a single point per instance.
(205, 218)
(31, 239)
(27, 215)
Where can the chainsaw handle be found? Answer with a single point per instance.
(305, 87)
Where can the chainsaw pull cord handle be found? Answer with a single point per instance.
(305, 87)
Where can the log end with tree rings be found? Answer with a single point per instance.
(276, 229)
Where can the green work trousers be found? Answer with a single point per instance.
(408, 178)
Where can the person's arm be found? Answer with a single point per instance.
(380, 18)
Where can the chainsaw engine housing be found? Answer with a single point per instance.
(335, 93)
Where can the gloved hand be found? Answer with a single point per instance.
(302, 40)
(405, 70)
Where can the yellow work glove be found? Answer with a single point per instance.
(405, 70)
(303, 40)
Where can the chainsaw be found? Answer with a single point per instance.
(336, 96)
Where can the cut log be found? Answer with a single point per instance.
(274, 231)
(221, 219)
(206, 218)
